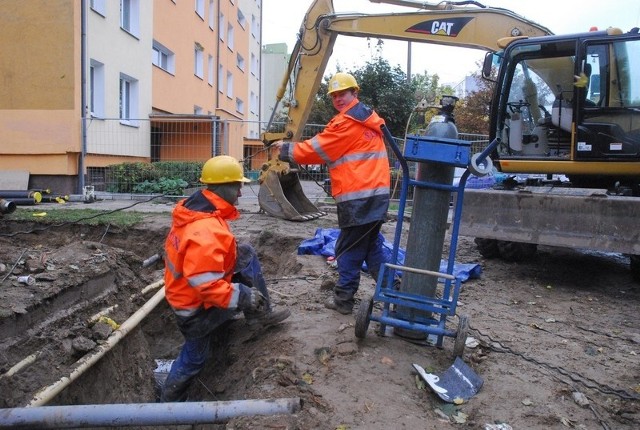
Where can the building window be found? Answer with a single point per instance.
(230, 37)
(241, 19)
(198, 60)
(212, 15)
(253, 102)
(130, 16)
(99, 7)
(220, 77)
(229, 84)
(96, 89)
(254, 65)
(221, 26)
(239, 105)
(240, 62)
(210, 70)
(128, 99)
(163, 58)
(255, 29)
(200, 8)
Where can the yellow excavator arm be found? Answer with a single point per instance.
(445, 23)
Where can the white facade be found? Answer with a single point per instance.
(118, 70)
(274, 65)
(463, 88)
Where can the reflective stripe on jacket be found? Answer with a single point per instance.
(351, 145)
(200, 255)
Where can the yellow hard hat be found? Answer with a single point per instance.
(342, 81)
(222, 169)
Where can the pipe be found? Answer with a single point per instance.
(55, 199)
(23, 197)
(82, 365)
(148, 288)
(109, 309)
(7, 206)
(42, 191)
(25, 201)
(151, 260)
(143, 414)
(83, 93)
(21, 365)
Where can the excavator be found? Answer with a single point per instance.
(564, 106)
(446, 23)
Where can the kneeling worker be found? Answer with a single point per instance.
(208, 277)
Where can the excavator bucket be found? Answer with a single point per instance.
(281, 193)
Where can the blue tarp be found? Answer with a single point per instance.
(324, 243)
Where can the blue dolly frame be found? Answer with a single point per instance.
(452, 152)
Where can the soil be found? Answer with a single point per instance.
(555, 338)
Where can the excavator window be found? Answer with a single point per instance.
(546, 111)
(610, 127)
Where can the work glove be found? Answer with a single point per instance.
(251, 300)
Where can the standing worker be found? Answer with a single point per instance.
(208, 277)
(353, 148)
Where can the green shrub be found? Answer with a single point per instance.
(169, 187)
(165, 177)
(188, 171)
(122, 178)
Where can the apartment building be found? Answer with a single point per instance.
(275, 60)
(40, 97)
(92, 83)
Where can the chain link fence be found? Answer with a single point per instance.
(165, 154)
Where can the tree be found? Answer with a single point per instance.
(386, 90)
(323, 109)
(472, 113)
(382, 88)
(428, 93)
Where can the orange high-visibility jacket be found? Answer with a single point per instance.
(353, 148)
(200, 255)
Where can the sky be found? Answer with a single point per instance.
(281, 21)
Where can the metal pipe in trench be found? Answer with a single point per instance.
(142, 414)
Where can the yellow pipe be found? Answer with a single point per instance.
(47, 393)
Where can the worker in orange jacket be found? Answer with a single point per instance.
(208, 277)
(352, 147)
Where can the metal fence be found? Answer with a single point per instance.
(165, 154)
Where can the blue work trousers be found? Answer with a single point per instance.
(354, 246)
(197, 329)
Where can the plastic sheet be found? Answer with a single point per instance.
(324, 243)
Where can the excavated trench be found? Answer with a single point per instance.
(89, 282)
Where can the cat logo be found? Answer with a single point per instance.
(448, 28)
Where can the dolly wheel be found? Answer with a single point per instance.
(362, 317)
(461, 335)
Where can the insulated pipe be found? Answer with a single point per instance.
(48, 393)
(25, 201)
(143, 414)
(28, 194)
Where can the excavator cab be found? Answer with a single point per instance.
(571, 105)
